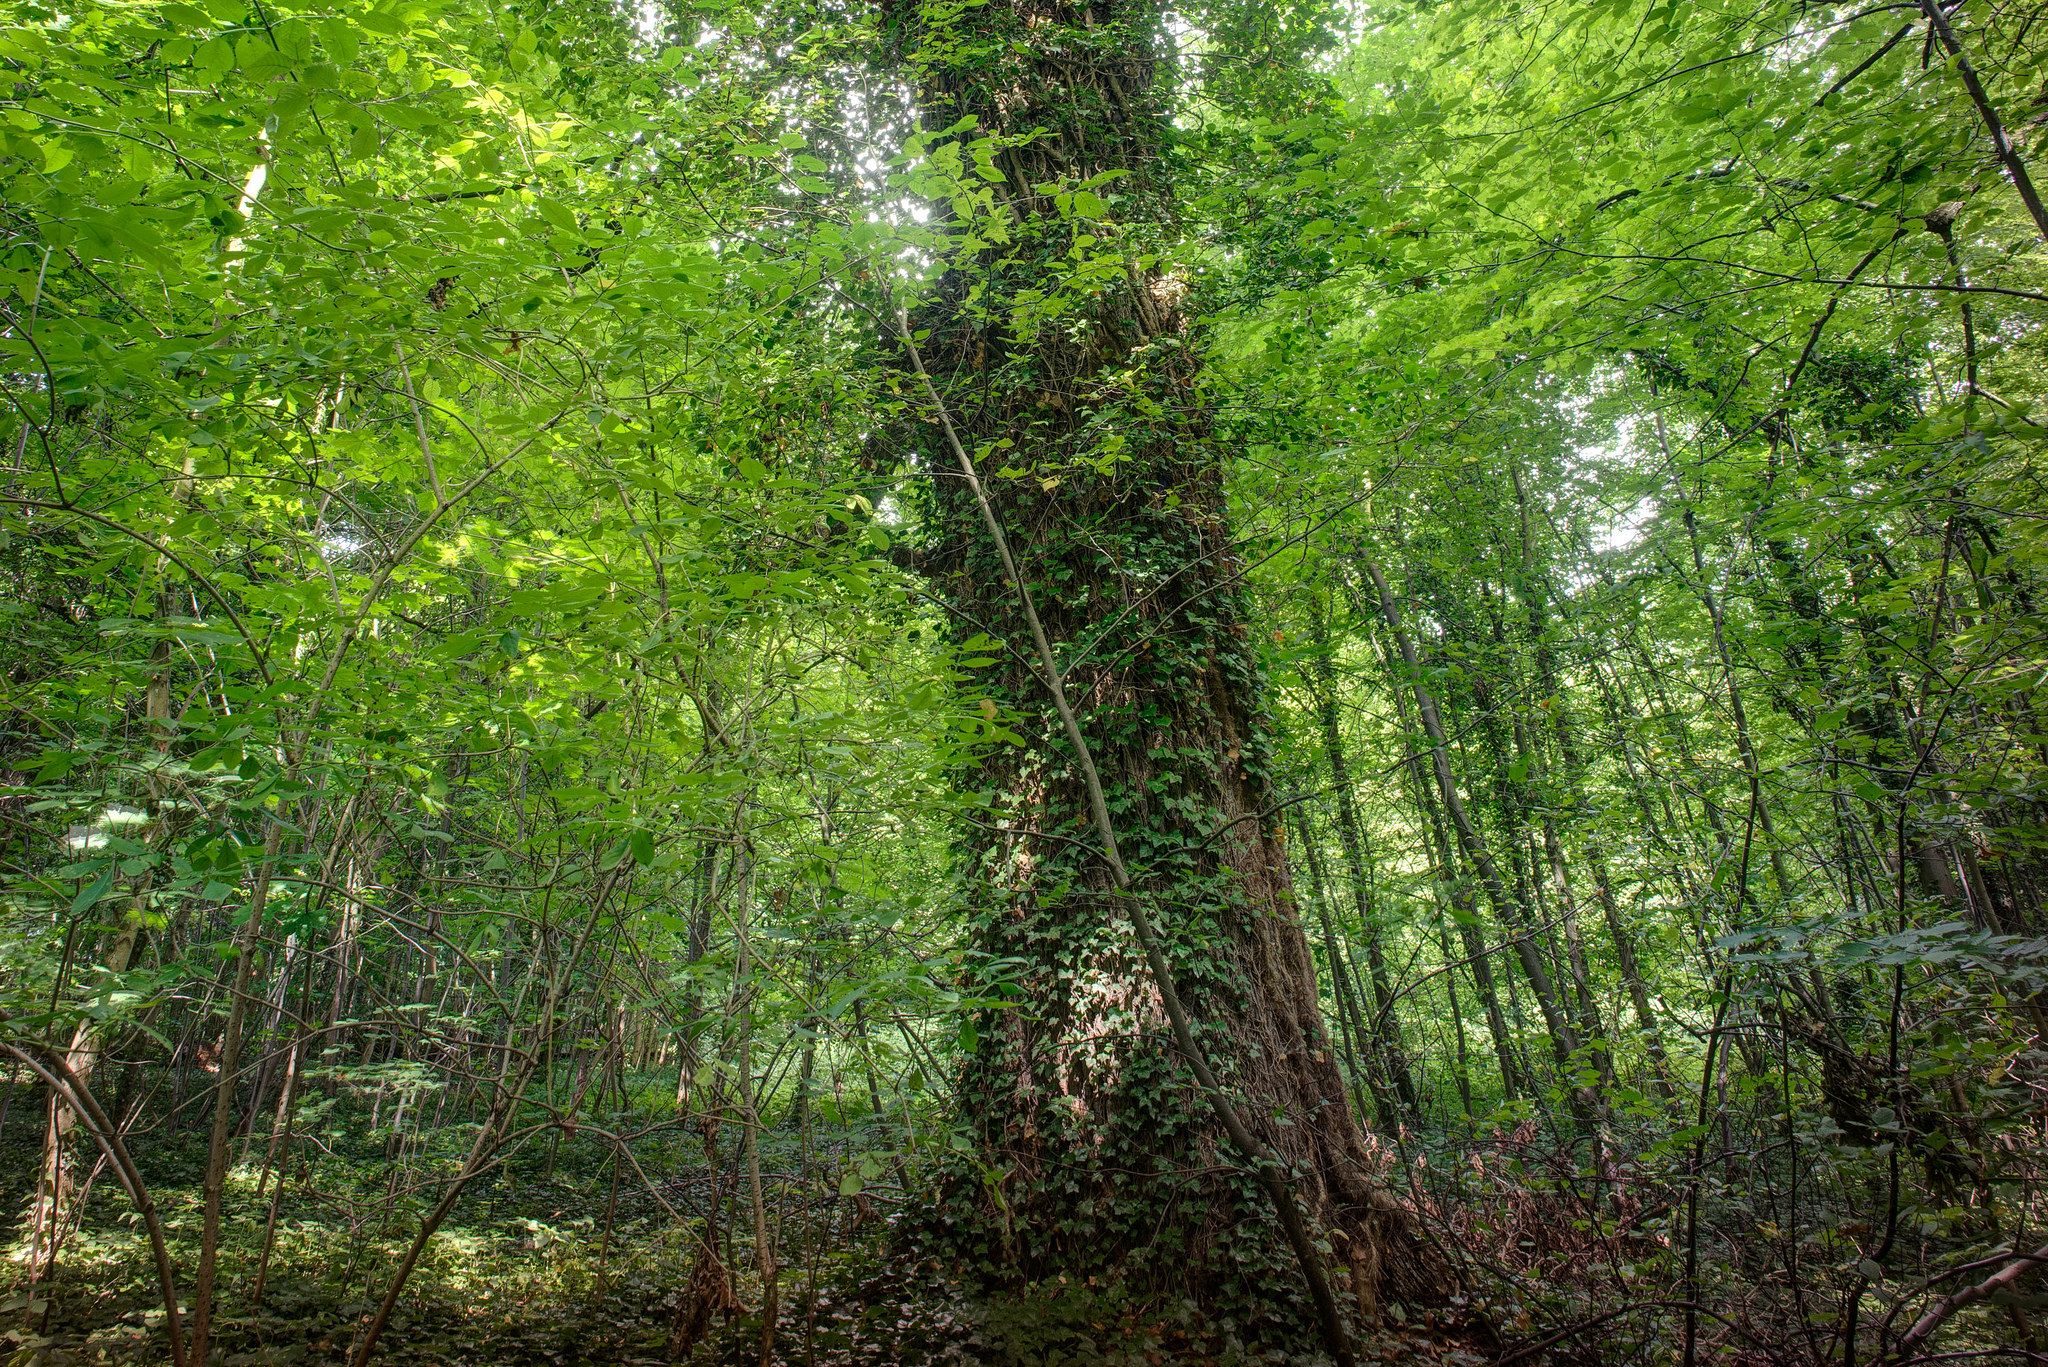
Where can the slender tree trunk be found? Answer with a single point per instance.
(1347, 1003)
(1565, 733)
(515, 1074)
(704, 894)
(1563, 1038)
(750, 1118)
(1624, 944)
(1357, 859)
(1552, 859)
(1453, 892)
(1443, 940)
(246, 947)
(52, 1204)
(1745, 748)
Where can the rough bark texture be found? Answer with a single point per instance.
(1096, 1154)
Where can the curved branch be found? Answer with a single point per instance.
(255, 651)
(1969, 1295)
(58, 1074)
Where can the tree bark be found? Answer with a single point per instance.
(1111, 1163)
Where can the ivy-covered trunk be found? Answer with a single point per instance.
(1066, 360)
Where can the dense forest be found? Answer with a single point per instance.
(1023, 681)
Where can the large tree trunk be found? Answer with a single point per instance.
(1109, 1161)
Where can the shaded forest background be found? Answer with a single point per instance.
(533, 832)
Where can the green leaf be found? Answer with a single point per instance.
(294, 38)
(214, 59)
(557, 216)
(256, 56)
(342, 41)
(91, 896)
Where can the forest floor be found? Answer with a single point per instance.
(526, 1273)
(888, 1317)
